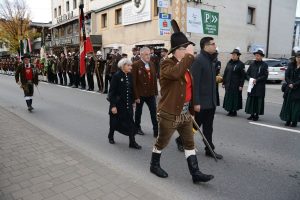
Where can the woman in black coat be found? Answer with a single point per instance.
(258, 70)
(290, 111)
(121, 104)
(233, 82)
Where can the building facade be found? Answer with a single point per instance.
(248, 24)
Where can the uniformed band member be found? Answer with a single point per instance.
(233, 82)
(145, 89)
(121, 104)
(290, 111)
(90, 68)
(61, 69)
(175, 106)
(258, 70)
(99, 69)
(135, 54)
(27, 76)
(69, 69)
(75, 69)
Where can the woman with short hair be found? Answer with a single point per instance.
(121, 100)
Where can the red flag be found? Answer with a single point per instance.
(88, 45)
(82, 38)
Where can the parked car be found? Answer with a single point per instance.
(276, 69)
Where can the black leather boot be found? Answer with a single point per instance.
(111, 137)
(194, 170)
(155, 166)
(179, 144)
(132, 143)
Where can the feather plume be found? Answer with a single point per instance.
(175, 26)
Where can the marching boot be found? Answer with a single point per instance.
(155, 166)
(256, 117)
(179, 144)
(197, 176)
(30, 105)
(132, 143)
(294, 124)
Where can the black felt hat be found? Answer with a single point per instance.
(236, 51)
(260, 51)
(178, 39)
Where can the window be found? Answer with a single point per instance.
(251, 15)
(156, 9)
(55, 12)
(118, 15)
(59, 10)
(74, 4)
(67, 6)
(104, 20)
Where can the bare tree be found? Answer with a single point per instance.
(14, 23)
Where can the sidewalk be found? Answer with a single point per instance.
(36, 166)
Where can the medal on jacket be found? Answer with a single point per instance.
(122, 79)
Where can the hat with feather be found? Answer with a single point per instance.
(178, 39)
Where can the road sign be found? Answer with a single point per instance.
(164, 24)
(210, 22)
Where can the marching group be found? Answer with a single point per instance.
(189, 89)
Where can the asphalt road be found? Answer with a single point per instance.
(261, 161)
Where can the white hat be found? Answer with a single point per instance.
(98, 53)
(115, 47)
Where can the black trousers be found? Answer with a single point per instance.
(106, 80)
(64, 74)
(90, 80)
(76, 79)
(82, 81)
(71, 78)
(151, 103)
(60, 78)
(206, 118)
(100, 81)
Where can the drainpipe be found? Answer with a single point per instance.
(269, 26)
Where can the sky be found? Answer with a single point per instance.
(40, 10)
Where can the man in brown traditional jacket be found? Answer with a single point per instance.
(145, 89)
(27, 75)
(175, 106)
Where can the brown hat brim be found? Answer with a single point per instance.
(182, 45)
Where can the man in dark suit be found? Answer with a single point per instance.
(205, 100)
(145, 89)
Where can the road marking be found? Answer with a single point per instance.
(275, 127)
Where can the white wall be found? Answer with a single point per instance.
(282, 27)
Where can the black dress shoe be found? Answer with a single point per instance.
(288, 123)
(140, 132)
(234, 114)
(134, 145)
(218, 156)
(294, 124)
(255, 118)
(229, 114)
(111, 140)
(251, 117)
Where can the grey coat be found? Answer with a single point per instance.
(204, 75)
